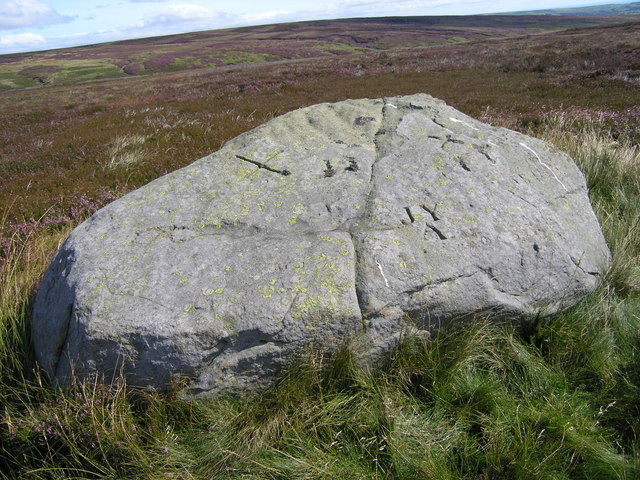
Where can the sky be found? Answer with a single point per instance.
(28, 25)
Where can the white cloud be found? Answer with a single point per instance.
(179, 15)
(27, 13)
(20, 42)
(263, 17)
(350, 8)
(355, 8)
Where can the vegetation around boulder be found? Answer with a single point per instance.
(554, 398)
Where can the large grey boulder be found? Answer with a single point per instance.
(335, 222)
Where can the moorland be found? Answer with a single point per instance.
(555, 398)
(271, 43)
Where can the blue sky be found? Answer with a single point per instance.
(27, 25)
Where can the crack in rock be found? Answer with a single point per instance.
(544, 164)
(441, 125)
(411, 217)
(579, 266)
(438, 282)
(264, 166)
(483, 151)
(437, 231)
(449, 139)
(463, 164)
(431, 211)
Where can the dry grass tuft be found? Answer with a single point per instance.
(126, 151)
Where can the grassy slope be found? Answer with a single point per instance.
(557, 399)
(597, 10)
(57, 142)
(266, 43)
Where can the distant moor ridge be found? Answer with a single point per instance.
(283, 42)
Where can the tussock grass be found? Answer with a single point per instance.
(550, 398)
(95, 431)
(22, 265)
(126, 151)
(612, 169)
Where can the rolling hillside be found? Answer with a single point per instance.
(271, 43)
(55, 139)
(597, 10)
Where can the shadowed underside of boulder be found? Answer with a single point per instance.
(330, 223)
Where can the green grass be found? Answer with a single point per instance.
(234, 58)
(187, 62)
(10, 80)
(82, 71)
(32, 72)
(340, 48)
(550, 398)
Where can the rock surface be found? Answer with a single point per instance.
(333, 222)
